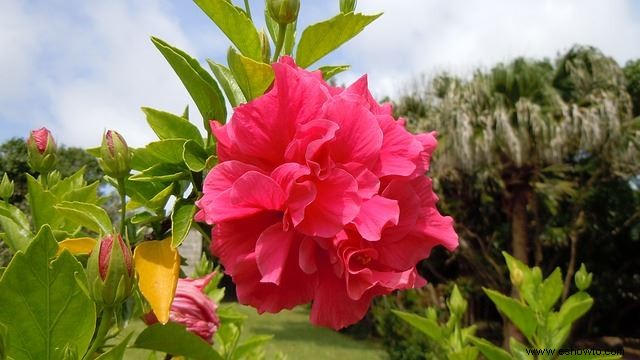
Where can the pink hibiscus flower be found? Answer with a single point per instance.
(321, 196)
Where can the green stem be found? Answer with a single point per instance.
(248, 8)
(282, 33)
(103, 329)
(123, 207)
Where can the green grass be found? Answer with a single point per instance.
(296, 337)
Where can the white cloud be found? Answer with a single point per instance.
(428, 36)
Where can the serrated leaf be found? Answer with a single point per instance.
(228, 83)
(426, 326)
(181, 220)
(170, 126)
(322, 38)
(43, 307)
(490, 351)
(330, 71)
(203, 89)
(253, 77)
(91, 216)
(181, 342)
(235, 24)
(158, 266)
(523, 317)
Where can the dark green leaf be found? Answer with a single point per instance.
(169, 126)
(43, 307)
(176, 340)
(320, 39)
(523, 317)
(235, 23)
(228, 83)
(201, 86)
(181, 220)
(253, 77)
(90, 216)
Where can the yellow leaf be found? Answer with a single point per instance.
(77, 246)
(157, 265)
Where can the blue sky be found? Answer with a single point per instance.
(82, 66)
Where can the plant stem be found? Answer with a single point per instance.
(103, 329)
(248, 8)
(123, 207)
(282, 33)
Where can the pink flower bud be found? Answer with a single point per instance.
(115, 157)
(110, 271)
(41, 149)
(106, 246)
(41, 137)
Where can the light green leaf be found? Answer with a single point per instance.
(253, 77)
(490, 351)
(181, 220)
(572, 309)
(194, 156)
(518, 350)
(550, 290)
(162, 173)
(182, 342)
(249, 345)
(467, 353)
(523, 317)
(91, 216)
(160, 199)
(330, 71)
(43, 307)
(201, 86)
(228, 83)
(427, 326)
(169, 126)
(116, 352)
(322, 38)
(234, 23)
(168, 151)
(41, 202)
(69, 184)
(14, 223)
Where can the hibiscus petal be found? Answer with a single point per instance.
(400, 152)
(368, 182)
(272, 250)
(332, 306)
(374, 215)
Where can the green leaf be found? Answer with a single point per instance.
(116, 352)
(194, 156)
(228, 83)
(162, 173)
(14, 223)
(234, 23)
(427, 326)
(523, 317)
(3, 341)
(203, 89)
(251, 344)
(490, 351)
(169, 126)
(181, 342)
(91, 216)
(572, 309)
(181, 220)
(253, 77)
(322, 38)
(41, 203)
(159, 201)
(330, 71)
(550, 290)
(43, 307)
(167, 151)
(467, 353)
(518, 350)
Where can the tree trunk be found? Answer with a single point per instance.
(520, 250)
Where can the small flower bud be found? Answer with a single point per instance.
(284, 12)
(516, 277)
(6, 188)
(347, 6)
(116, 159)
(41, 150)
(110, 271)
(457, 304)
(583, 278)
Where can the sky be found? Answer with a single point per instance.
(80, 67)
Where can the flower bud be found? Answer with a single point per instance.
(583, 278)
(347, 6)
(284, 12)
(457, 304)
(516, 277)
(110, 271)
(116, 159)
(6, 188)
(41, 150)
